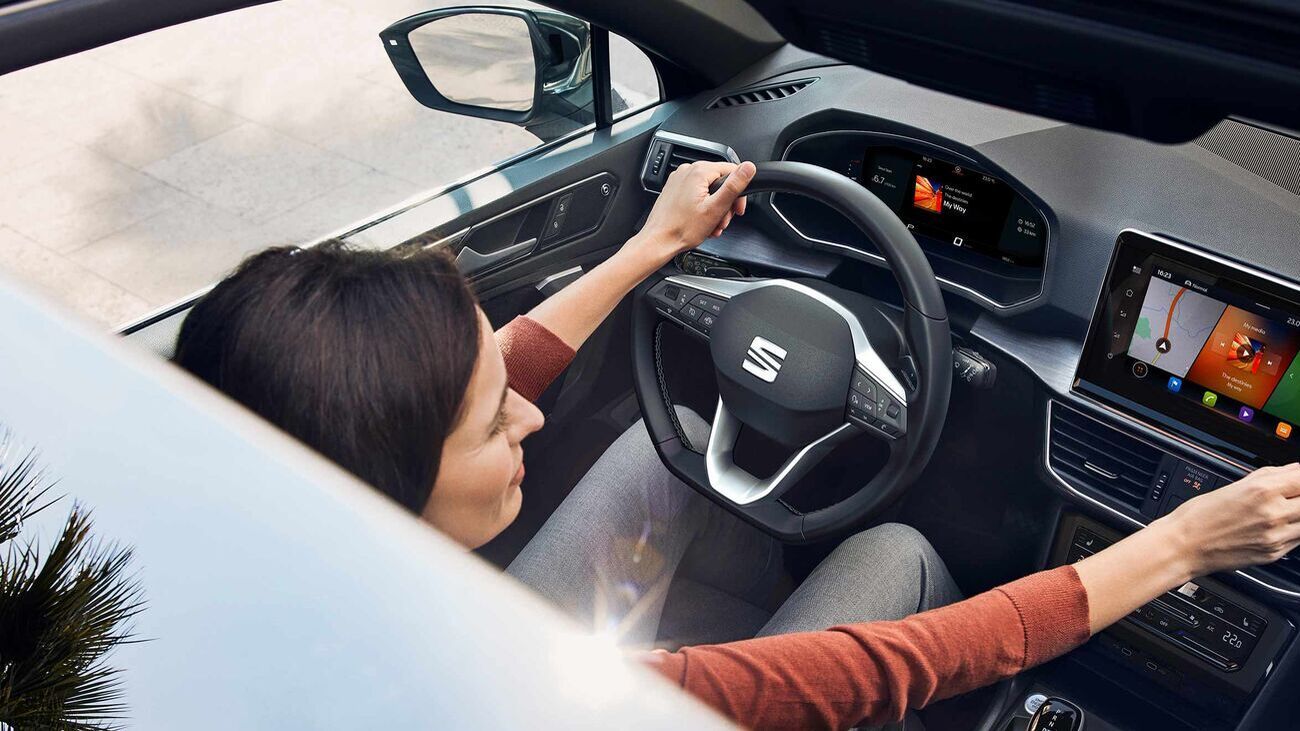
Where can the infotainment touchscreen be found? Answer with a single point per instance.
(1193, 342)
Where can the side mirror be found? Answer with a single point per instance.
(528, 67)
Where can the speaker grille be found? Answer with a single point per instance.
(1272, 156)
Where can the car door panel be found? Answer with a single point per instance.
(543, 223)
(501, 209)
(506, 207)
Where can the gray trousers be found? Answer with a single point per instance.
(635, 553)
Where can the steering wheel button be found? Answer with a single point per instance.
(860, 416)
(691, 312)
(892, 411)
(707, 321)
(684, 296)
(864, 385)
(866, 404)
(707, 303)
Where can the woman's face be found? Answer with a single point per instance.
(477, 491)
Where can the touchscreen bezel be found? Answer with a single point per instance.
(1237, 442)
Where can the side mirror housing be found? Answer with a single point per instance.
(527, 67)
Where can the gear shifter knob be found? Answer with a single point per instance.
(1057, 714)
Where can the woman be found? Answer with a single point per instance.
(385, 364)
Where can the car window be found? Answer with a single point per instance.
(134, 174)
(632, 75)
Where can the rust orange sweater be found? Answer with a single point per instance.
(857, 673)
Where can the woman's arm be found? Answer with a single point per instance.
(685, 214)
(1255, 520)
(873, 672)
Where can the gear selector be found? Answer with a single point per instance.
(1056, 714)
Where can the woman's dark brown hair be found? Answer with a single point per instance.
(363, 355)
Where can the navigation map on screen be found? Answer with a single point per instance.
(1173, 325)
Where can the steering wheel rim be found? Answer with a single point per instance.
(798, 311)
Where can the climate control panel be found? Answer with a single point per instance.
(1201, 620)
(1203, 640)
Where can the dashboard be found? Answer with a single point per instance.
(1139, 301)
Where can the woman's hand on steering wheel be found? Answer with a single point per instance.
(686, 213)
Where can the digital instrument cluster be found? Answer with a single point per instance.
(954, 205)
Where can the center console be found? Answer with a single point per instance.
(1195, 657)
(1203, 640)
(1189, 378)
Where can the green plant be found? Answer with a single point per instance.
(59, 617)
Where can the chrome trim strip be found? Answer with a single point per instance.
(1047, 243)
(1133, 522)
(1099, 471)
(695, 143)
(449, 238)
(865, 355)
(158, 314)
(1134, 421)
(742, 488)
(558, 275)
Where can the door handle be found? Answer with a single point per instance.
(470, 261)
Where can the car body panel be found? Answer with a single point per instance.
(281, 592)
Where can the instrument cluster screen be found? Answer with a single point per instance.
(955, 206)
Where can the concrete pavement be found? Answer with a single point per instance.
(134, 174)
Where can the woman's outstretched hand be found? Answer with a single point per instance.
(1254, 520)
(687, 213)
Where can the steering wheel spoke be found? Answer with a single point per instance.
(742, 488)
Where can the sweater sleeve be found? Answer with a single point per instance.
(534, 356)
(871, 673)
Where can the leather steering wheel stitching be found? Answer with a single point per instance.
(663, 390)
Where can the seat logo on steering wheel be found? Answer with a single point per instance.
(764, 359)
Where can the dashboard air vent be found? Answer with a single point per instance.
(669, 151)
(766, 93)
(1095, 458)
(681, 155)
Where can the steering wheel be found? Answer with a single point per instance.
(806, 364)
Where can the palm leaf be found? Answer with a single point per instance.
(59, 617)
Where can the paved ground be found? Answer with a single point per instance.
(134, 174)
